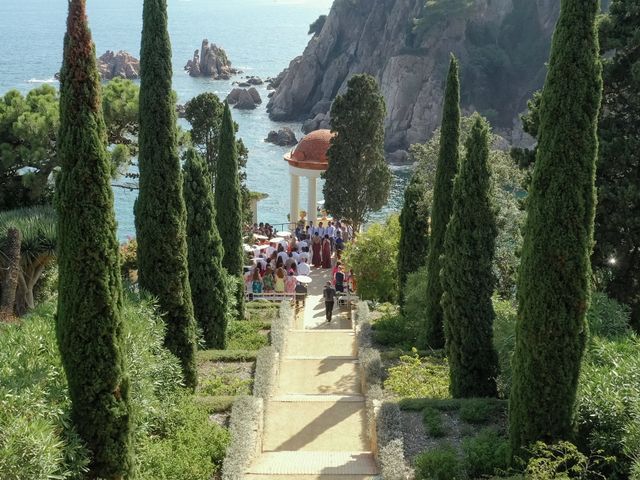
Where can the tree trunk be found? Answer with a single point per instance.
(10, 282)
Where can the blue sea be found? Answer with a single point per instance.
(261, 37)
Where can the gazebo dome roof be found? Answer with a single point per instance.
(311, 152)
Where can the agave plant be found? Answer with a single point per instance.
(37, 226)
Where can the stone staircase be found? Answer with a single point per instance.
(315, 424)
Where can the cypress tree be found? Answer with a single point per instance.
(467, 274)
(89, 320)
(414, 233)
(229, 205)
(446, 169)
(553, 285)
(160, 213)
(207, 276)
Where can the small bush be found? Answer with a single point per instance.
(391, 442)
(279, 327)
(245, 335)
(432, 419)
(225, 385)
(476, 410)
(266, 372)
(607, 318)
(441, 463)
(226, 356)
(392, 463)
(371, 365)
(415, 303)
(245, 416)
(561, 461)
(485, 454)
(417, 377)
(393, 330)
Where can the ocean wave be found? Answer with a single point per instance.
(38, 80)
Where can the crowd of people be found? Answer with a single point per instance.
(278, 265)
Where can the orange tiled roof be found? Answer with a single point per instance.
(311, 152)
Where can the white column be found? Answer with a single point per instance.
(294, 199)
(312, 207)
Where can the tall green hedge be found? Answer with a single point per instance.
(160, 213)
(229, 205)
(207, 277)
(467, 274)
(89, 316)
(446, 169)
(554, 280)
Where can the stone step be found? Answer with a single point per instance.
(321, 344)
(316, 423)
(314, 376)
(317, 463)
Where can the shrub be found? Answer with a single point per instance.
(245, 335)
(190, 447)
(279, 327)
(390, 442)
(371, 364)
(266, 372)
(417, 377)
(485, 454)
(246, 414)
(440, 463)
(394, 330)
(415, 303)
(607, 318)
(432, 419)
(373, 260)
(560, 461)
(476, 410)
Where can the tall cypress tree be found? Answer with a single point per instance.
(553, 285)
(207, 276)
(414, 233)
(160, 212)
(446, 169)
(89, 321)
(467, 274)
(229, 205)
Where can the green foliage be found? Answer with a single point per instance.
(607, 318)
(487, 453)
(246, 335)
(447, 167)
(433, 422)
(504, 342)
(160, 213)
(467, 277)
(554, 280)
(393, 330)
(416, 377)
(316, 27)
(358, 179)
(414, 234)
(266, 373)
(210, 285)
(229, 205)
(373, 259)
(245, 415)
(89, 323)
(477, 410)
(617, 230)
(560, 461)
(39, 237)
(120, 101)
(225, 384)
(415, 305)
(439, 463)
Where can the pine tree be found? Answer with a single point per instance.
(446, 169)
(160, 213)
(467, 274)
(414, 233)
(229, 205)
(89, 320)
(553, 285)
(358, 179)
(207, 276)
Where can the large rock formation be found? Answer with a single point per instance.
(502, 46)
(121, 64)
(210, 61)
(244, 99)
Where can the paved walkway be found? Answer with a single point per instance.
(315, 425)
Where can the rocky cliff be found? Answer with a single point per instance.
(210, 61)
(502, 46)
(121, 64)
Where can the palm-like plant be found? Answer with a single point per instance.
(37, 226)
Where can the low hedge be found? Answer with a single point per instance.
(245, 429)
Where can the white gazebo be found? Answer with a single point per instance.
(308, 159)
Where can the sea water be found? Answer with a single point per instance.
(260, 37)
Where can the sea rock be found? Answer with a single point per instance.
(320, 121)
(254, 81)
(399, 157)
(181, 110)
(121, 64)
(210, 61)
(283, 137)
(410, 64)
(243, 99)
(244, 84)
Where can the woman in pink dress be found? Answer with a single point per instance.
(326, 252)
(316, 247)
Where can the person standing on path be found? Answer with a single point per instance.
(329, 295)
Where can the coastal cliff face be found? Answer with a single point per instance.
(502, 46)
